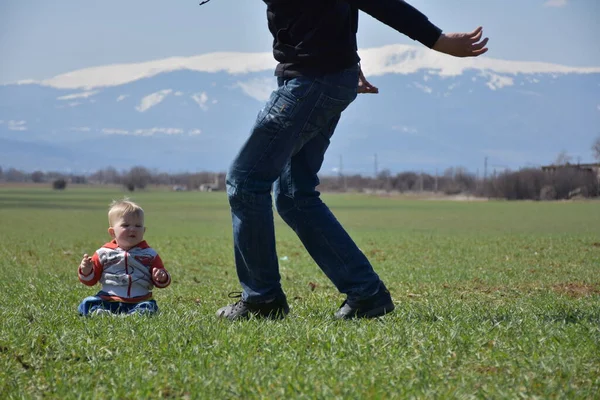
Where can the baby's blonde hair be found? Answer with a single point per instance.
(120, 208)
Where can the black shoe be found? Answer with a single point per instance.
(275, 309)
(375, 306)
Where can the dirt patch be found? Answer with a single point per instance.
(571, 289)
(576, 290)
(488, 370)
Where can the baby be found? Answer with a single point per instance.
(126, 267)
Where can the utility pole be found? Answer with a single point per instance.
(375, 167)
(485, 168)
(341, 174)
(343, 182)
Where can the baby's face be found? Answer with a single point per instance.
(128, 231)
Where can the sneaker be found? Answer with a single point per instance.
(275, 309)
(375, 306)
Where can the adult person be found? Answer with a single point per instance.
(318, 76)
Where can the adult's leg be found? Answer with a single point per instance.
(275, 136)
(300, 205)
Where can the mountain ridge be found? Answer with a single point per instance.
(433, 112)
(398, 58)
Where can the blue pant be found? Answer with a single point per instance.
(93, 303)
(284, 153)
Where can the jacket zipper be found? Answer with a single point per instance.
(128, 275)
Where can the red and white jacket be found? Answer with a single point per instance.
(125, 275)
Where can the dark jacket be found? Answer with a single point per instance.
(312, 37)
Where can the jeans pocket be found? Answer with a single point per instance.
(325, 116)
(297, 88)
(276, 114)
(335, 106)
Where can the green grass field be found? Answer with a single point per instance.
(493, 300)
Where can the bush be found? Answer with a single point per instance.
(59, 184)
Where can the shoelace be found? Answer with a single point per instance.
(235, 295)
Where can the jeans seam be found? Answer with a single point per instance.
(262, 156)
(307, 119)
(332, 248)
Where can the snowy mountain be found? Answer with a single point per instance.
(191, 114)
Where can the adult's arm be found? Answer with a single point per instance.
(402, 17)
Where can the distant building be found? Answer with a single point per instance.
(593, 168)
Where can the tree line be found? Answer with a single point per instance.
(562, 182)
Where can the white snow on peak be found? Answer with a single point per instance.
(80, 129)
(143, 132)
(153, 131)
(118, 74)
(152, 99)
(14, 125)
(201, 99)
(497, 81)
(114, 131)
(406, 59)
(391, 59)
(424, 88)
(82, 95)
(258, 88)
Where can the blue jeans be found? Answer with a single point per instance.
(284, 153)
(94, 303)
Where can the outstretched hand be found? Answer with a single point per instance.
(462, 44)
(159, 275)
(86, 265)
(363, 84)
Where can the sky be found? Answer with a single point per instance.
(41, 39)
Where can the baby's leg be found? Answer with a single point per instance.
(92, 305)
(144, 308)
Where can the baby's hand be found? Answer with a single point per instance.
(159, 275)
(86, 265)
